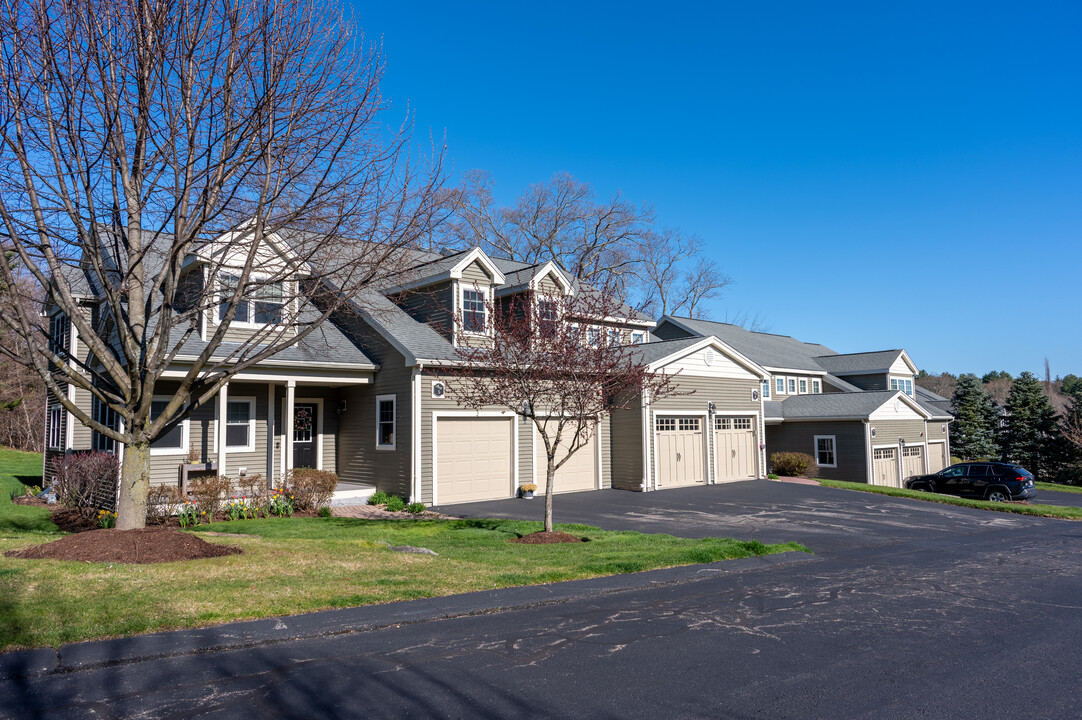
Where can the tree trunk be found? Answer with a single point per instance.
(550, 473)
(131, 507)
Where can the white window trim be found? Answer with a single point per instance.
(638, 337)
(56, 412)
(790, 386)
(816, 387)
(833, 448)
(802, 386)
(246, 324)
(766, 390)
(184, 427)
(250, 447)
(463, 288)
(394, 421)
(779, 386)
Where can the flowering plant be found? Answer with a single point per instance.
(281, 503)
(238, 508)
(106, 519)
(187, 514)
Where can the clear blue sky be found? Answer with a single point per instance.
(871, 175)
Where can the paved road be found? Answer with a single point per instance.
(908, 610)
(1056, 497)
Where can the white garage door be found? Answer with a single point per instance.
(937, 457)
(473, 459)
(885, 467)
(912, 461)
(734, 446)
(580, 470)
(679, 451)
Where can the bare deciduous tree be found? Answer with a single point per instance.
(547, 364)
(140, 135)
(609, 243)
(22, 395)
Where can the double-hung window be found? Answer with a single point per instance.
(593, 336)
(103, 414)
(824, 451)
(267, 303)
(791, 386)
(240, 424)
(59, 334)
(803, 386)
(546, 317)
(766, 390)
(638, 338)
(816, 387)
(385, 421)
(779, 385)
(227, 286)
(473, 311)
(261, 303)
(173, 442)
(614, 337)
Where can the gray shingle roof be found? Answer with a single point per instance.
(780, 351)
(841, 384)
(828, 405)
(658, 349)
(858, 363)
(412, 337)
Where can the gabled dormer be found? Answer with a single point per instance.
(871, 371)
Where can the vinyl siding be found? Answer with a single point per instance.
(668, 331)
(887, 432)
(432, 305)
(775, 395)
(625, 448)
(730, 396)
(850, 449)
(548, 286)
(868, 382)
(474, 273)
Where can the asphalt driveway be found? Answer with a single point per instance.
(825, 519)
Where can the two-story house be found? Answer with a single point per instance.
(363, 396)
(858, 414)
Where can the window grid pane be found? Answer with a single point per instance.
(473, 311)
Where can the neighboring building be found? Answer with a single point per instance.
(859, 414)
(362, 397)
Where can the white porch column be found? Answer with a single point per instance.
(223, 400)
(287, 424)
(270, 434)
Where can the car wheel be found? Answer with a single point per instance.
(996, 495)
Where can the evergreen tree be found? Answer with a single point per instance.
(1031, 434)
(973, 432)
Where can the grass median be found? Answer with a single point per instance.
(299, 565)
(1059, 488)
(1052, 511)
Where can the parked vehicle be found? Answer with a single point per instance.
(995, 481)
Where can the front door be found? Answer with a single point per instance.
(305, 431)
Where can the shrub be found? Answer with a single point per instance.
(794, 464)
(395, 504)
(253, 488)
(208, 492)
(80, 477)
(771, 476)
(325, 511)
(163, 502)
(378, 498)
(312, 489)
(415, 508)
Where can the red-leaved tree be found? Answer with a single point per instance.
(564, 363)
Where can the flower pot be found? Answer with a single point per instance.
(526, 494)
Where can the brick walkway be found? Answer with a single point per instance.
(374, 512)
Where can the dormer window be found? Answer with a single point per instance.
(638, 337)
(546, 317)
(615, 338)
(261, 303)
(59, 334)
(905, 386)
(473, 311)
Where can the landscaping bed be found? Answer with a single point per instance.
(148, 545)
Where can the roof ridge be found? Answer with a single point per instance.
(865, 352)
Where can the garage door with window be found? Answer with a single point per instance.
(473, 459)
(734, 448)
(885, 467)
(679, 451)
(580, 470)
(912, 461)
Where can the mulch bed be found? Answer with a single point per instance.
(546, 538)
(147, 545)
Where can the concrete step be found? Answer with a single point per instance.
(351, 494)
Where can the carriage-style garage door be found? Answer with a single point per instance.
(473, 459)
(885, 467)
(937, 456)
(912, 461)
(580, 470)
(679, 451)
(734, 448)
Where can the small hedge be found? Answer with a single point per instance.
(794, 464)
(312, 489)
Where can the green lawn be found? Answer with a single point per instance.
(1053, 511)
(300, 565)
(1059, 488)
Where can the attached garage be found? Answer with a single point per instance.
(474, 459)
(735, 449)
(937, 456)
(577, 474)
(912, 461)
(680, 451)
(885, 466)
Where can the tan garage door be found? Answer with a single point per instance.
(885, 467)
(912, 461)
(937, 457)
(473, 459)
(734, 448)
(580, 470)
(679, 451)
